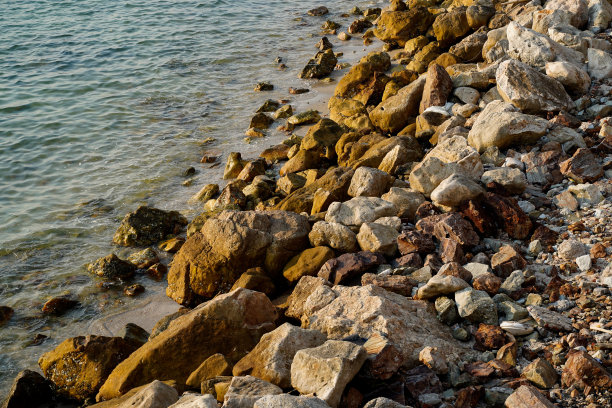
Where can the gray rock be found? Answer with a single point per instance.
(243, 392)
(571, 249)
(375, 237)
(405, 201)
(271, 358)
(369, 182)
(289, 401)
(195, 401)
(383, 402)
(324, 371)
(529, 90)
(500, 125)
(456, 189)
(358, 210)
(549, 319)
(578, 9)
(511, 179)
(476, 306)
(600, 64)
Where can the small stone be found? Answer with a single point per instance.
(584, 262)
(308, 262)
(454, 190)
(58, 305)
(476, 306)
(447, 310)
(172, 245)
(507, 260)
(289, 401)
(571, 249)
(111, 267)
(441, 285)
(144, 259)
(582, 167)
(541, 373)
(369, 182)
(489, 337)
(134, 290)
(434, 359)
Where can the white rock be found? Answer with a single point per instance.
(571, 249)
(578, 9)
(375, 237)
(393, 222)
(441, 285)
(516, 328)
(600, 15)
(584, 262)
(600, 64)
(243, 392)
(526, 206)
(405, 200)
(477, 269)
(155, 395)
(325, 371)
(289, 401)
(358, 210)
(511, 179)
(577, 81)
(369, 182)
(382, 402)
(586, 193)
(456, 189)
(189, 400)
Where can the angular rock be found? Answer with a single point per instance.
(325, 371)
(230, 324)
(476, 306)
(289, 401)
(512, 179)
(527, 396)
(451, 25)
(148, 225)
(529, 90)
(405, 201)
(375, 237)
(359, 210)
(399, 284)
(441, 285)
(574, 79)
(271, 359)
(111, 267)
(582, 167)
(550, 320)
(321, 65)
(334, 235)
(29, 389)
(489, 337)
(570, 249)
(396, 112)
(584, 371)
(214, 366)
(413, 241)
(541, 373)
(308, 262)
(401, 26)
(348, 266)
(322, 137)
(80, 365)
(195, 401)
(369, 182)
(507, 260)
(438, 86)
(382, 402)
(243, 392)
(452, 226)
(509, 215)
(454, 190)
(229, 244)
(499, 125)
(600, 64)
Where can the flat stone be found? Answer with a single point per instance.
(308, 262)
(512, 179)
(582, 167)
(550, 320)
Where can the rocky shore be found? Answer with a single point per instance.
(440, 238)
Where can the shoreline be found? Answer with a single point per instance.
(423, 237)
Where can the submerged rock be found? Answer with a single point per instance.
(111, 267)
(147, 226)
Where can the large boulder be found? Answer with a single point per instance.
(578, 9)
(231, 324)
(529, 90)
(147, 226)
(396, 112)
(401, 26)
(80, 365)
(500, 125)
(365, 311)
(211, 261)
(271, 359)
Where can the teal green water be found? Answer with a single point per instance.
(103, 105)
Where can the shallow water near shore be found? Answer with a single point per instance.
(103, 105)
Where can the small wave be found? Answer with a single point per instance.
(20, 108)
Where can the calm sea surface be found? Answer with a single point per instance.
(103, 105)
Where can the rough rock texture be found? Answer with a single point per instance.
(500, 125)
(289, 401)
(456, 189)
(600, 64)
(80, 365)
(451, 25)
(401, 26)
(395, 112)
(476, 306)
(271, 359)
(324, 371)
(111, 267)
(405, 201)
(213, 366)
(334, 235)
(155, 395)
(307, 262)
(148, 225)
(243, 392)
(582, 167)
(408, 324)
(438, 86)
(574, 79)
(230, 243)
(527, 396)
(441, 285)
(195, 401)
(348, 266)
(29, 389)
(529, 90)
(321, 65)
(375, 237)
(541, 373)
(584, 371)
(230, 324)
(369, 182)
(358, 210)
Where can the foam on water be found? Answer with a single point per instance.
(103, 105)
